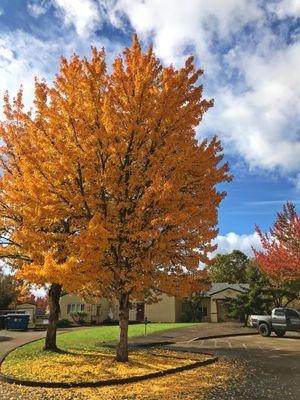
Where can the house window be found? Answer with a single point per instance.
(72, 308)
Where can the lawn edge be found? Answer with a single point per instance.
(106, 382)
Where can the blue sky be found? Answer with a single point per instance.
(249, 50)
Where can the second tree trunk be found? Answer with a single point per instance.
(54, 310)
(122, 348)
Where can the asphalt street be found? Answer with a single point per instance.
(273, 366)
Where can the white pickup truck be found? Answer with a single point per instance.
(280, 321)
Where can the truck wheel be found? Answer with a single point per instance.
(264, 330)
(280, 333)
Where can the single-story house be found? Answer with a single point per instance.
(28, 308)
(213, 299)
(167, 309)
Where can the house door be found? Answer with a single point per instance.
(140, 312)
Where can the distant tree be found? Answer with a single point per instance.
(193, 303)
(229, 268)
(287, 230)
(25, 295)
(193, 307)
(255, 300)
(42, 302)
(279, 259)
(8, 291)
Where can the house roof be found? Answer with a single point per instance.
(219, 287)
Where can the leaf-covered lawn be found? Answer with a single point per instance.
(87, 366)
(86, 340)
(188, 385)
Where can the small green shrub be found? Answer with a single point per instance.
(63, 323)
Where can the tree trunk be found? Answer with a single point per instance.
(54, 310)
(122, 348)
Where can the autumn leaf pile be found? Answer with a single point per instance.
(188, 385)
(83, 366)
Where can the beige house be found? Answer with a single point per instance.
(27, 308)
(213, 300)
(168, 309)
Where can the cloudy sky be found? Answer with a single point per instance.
(249, 50)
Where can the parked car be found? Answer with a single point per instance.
(280, 321)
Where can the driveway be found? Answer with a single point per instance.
(11, 339)
(273, 365)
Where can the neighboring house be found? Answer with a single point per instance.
(28, 308)
(168, 309)
(213, 299)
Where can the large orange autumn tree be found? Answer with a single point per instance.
(126, 172)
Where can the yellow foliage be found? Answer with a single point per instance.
(105, 184)
(188, 385)
(88, 366)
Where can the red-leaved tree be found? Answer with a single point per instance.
(279, 258)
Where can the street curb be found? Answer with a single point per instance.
(109, 382)
(225, 335)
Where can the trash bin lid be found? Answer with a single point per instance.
(18, 315)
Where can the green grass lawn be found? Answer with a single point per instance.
(87, 339)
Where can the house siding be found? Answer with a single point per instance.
(218, 313)
(162, 311)
(167, 309)
(97, 312)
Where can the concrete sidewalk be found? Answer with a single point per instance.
(10, 340)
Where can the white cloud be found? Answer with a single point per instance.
(84, 15)
(39, 292)
(36, 9)
(174, 26)
(4, 268)
(232, 241)
(262, 123)
(286, 8)
(296, 181)
(272, 202)
(259, 119)
(23, 56)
